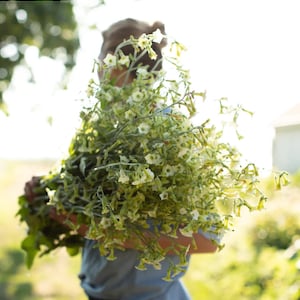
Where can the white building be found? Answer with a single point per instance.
(286, 144)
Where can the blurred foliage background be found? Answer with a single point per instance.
(49, 26)
(261, 259)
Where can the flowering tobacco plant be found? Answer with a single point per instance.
(138, 164)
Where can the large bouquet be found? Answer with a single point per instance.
(138, 163)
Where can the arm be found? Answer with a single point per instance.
(60, 218)
(201, 243)
(197, 244)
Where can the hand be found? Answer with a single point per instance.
(29, 188)
(67, 219)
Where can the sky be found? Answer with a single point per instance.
(246, 51)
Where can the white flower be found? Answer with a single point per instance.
(156, 185)
(186, 125)
(124, 159)
(149, 174)
(153, 159)
(182, 211)
(142, 71)
(158, 145)
(152, 54)
(104, 95)
(110, 60)
(143, 128)
(145, 176)
(137, 96)
(185, 75)
(130, 100)
(163, 195)
(51, 195)
(166, 135)
(109, 97)
(157, 36)
(105, 222)
(129, 115)
(116, 108)
(124, 60)
(123, 178)
(118, 222)
(168, 170)
(182, 152)
(195, 214)
(143, 41)
(179, 168)
(152, 213)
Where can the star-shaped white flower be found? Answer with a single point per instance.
(110, 60)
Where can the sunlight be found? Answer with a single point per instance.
(248, 54)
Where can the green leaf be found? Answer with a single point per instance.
(72, 251)
(30, 247)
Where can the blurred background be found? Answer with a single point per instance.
(246, 51)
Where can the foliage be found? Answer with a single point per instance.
(43, 234)
(48, 25)
(279, 228)
(278, 233)
(260, 264)
(267, 275)
(138, 163)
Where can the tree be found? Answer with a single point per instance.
(48, 25)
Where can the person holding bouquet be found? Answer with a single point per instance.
(101, 277)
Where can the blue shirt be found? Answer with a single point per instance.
(119, 279)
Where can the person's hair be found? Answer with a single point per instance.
(122, 30)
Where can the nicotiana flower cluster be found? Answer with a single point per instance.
(138, 163)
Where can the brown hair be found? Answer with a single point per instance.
(122, 30)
